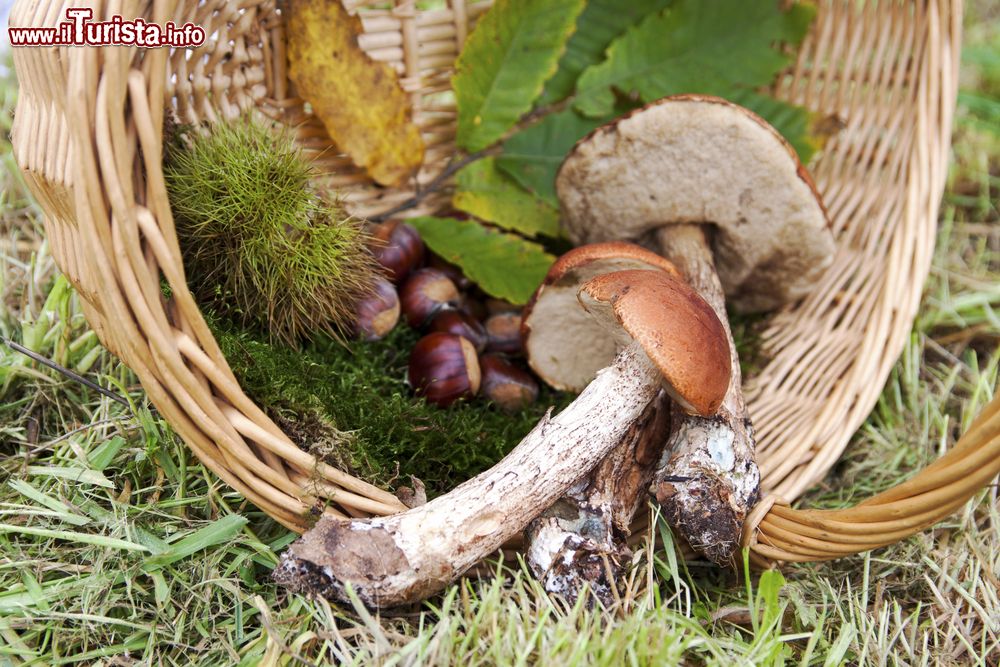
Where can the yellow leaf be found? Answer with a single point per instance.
(359, 100)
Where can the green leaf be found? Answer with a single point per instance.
(78, 475)
(695, 47)
(217, 532)
(505, 62)
(794, 123)
(838, 650)
(600, 23)
(105, 453)
(280, 543)
(65, 512)
(490, 195)
(768, 606)
(82, 538)
(503, 265)
(142, 536)
(982, 108)
(532, 156)
(17, 601)
(34, 589)
(161, 590)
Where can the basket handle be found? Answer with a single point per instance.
(775, 532)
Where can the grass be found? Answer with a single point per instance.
(118, 548)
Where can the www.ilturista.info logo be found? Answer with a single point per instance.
(79, 30)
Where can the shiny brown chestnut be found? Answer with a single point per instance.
(450, 270)
(462, 324)
(503, 331)
(510, 387)
(444, 368)
(378, 312)
(474, 307)
(398, 248)
(495, 306)
(426, 292)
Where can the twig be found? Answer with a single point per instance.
(76, 377)
(539, 113)
(454, 164)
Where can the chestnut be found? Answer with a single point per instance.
(444, 368)
(378, 312)
(474, 307)
(495, 306)
(460, 323)
(398, 248)
(450, 270)
(510, 387)
(426, 292)
(503, 331)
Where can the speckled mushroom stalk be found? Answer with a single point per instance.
(718, 192)
(402, 558)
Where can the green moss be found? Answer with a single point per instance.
(260, 244)
(361, 388)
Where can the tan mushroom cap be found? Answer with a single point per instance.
(564, 345)
(700, 159)
(679, 331)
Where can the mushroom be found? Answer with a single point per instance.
(397, 559)
(722, 196)
(581, 539)
(565, 345)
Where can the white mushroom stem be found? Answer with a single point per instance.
(581, 539)
(405, 557)
(708, 479)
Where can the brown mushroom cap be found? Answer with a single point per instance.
(695, 159)
(564, 345)
(679, 331)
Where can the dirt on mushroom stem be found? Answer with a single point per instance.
(581, 540)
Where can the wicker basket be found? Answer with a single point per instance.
(88, 137)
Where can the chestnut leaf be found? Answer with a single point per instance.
(489, 194)
(506, 60)
(505, 266)
(599, 24)
(359, 100)
(532, 156)
(712, 48)
(660, 55)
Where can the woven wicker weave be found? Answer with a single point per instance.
(88, 137)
